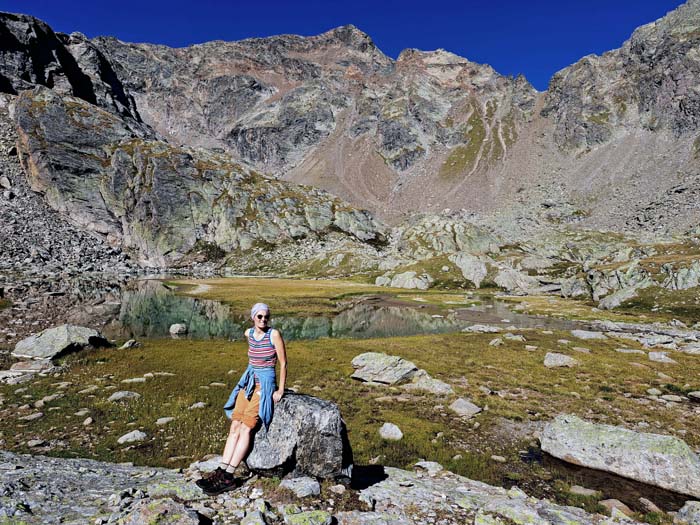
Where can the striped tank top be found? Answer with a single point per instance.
(261, 353)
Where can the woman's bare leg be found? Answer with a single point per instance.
(241, 446)
(231, 441)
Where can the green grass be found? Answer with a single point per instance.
(5, 303)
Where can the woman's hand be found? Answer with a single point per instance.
(277, 395)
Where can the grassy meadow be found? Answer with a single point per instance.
(517, 392)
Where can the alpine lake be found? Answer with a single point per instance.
(325, 324)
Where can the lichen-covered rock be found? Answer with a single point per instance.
(307, 436)
(53, 342)
(161, 511)
(663, 461)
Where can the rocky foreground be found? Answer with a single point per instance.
(37, 489)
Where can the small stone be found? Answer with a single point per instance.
(498, 459)
(87, 422)
(198, 404)
(134, 380)
(164, 420)
(178, 329)
(694, 395)
(614, 504)
(464, 408)
(35, 443)
(649, 506)
(82, 412)
(654, 392)
(302, 487)
(89, 390)
(690, 512)
(131, 437)
(583, 491)
(123, 395)
(553, 360)
(390, 432)
(33, 417)
(496, 342)
(530, 348)
(131, 343)
(672, 397)
(337, 489)
(581, 349)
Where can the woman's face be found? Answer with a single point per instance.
(261, 318)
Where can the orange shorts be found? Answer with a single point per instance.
(246, 411)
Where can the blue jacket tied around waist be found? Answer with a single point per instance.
(266, 377)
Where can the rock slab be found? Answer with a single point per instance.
(662, 461)
(377, 367)
(62, 339)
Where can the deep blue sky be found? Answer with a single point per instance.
(536, 38)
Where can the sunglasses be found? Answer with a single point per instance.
(266, 317)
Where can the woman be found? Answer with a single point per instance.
(251, 402)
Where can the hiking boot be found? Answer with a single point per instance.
(210, 478)
(223, 484)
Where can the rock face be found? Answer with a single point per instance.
(56, 341)
(663, 461)
(114, 177)
(307, 436)
(432, 129)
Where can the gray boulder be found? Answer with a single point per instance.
(53, 342)
(662, 461)
(390, 432)
(307, 436)
(376, 367)
(131, 437)
(555, 360)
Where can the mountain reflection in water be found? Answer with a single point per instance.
(148, 309)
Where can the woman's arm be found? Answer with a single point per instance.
(282, 360)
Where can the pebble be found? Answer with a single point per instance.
(87, 422)
(198, 404)
(164, 420)
(498, 459)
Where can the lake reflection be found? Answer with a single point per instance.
(148, 308)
